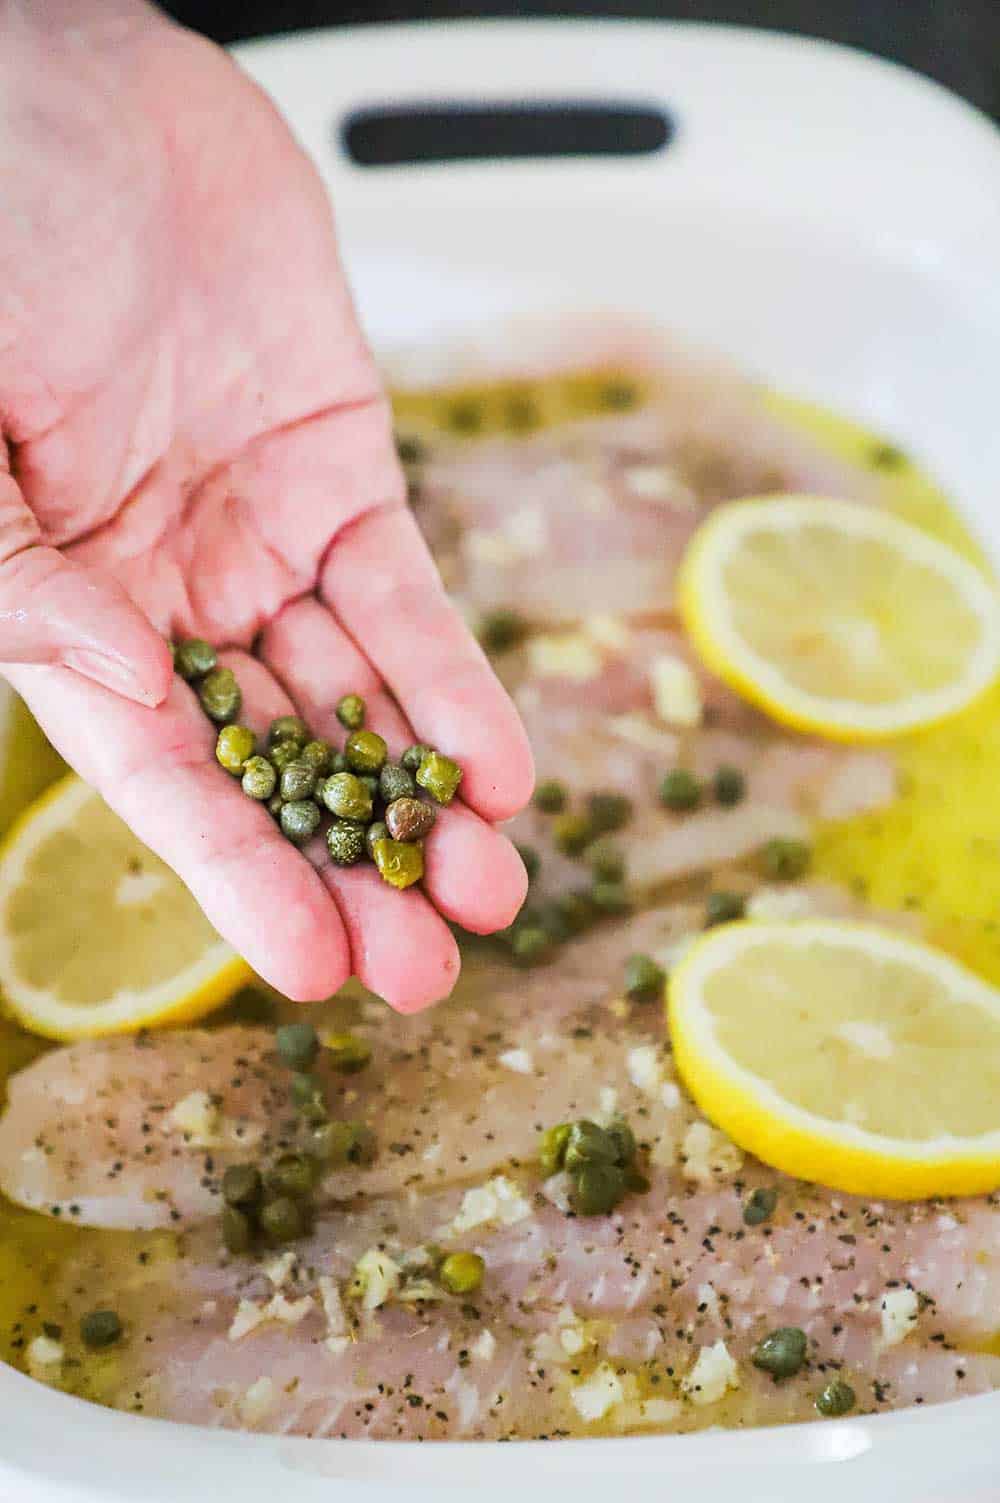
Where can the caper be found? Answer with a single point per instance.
(611, 897)
(439, 776)
(307, 1096)
(760, 1206)
(379, 830)
(287, 728)
(398, 863)
(608, 811)
(234, 747)
(413, 756)
(623, 1139)
(259, 778)
(283, 754)
(597, 1189)
(680, 790)
(220, 695)
(299, 820)
(644, 979)
(346, 1052)
(297, 1045)
(461, 1272)
(781, 1353)
(351, 712)
(572, 832)
(552, 1148)
(576, 910)
(275, 804)
(728, 785)
(364, 1148)
(530, 945)
(724, 908)
(332, 1142)
(605, 859)
(785, 860)
(835, 1399)
(100, 1329)
(532, 860)
(636, 1182)
(241, 1185)
(588, 1144)
(194, 658)
(345, 842)
(338, 762)
(365, 751)
(317, 754)
(346, 796)
(282, 1220)
(410, 819)
(501, 630)
(395, 782)
(550, 796)
(298, 781)
(237, 1230)
(292, 1175)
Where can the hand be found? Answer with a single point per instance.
(193, 441)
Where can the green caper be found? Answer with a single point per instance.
(100, 1329)
(307, 1096)
(351, 712)
(292, 1175)
(298, 781)
(365, 751)
(680, 790)
(611, 897)
(395, 782)
(760, 1206)
(532, 860)
(318, 754)
(729, 785)
(636, 1182)
(241, 1185)
(588, 1144)
(550, 796)
(346, 1052)
(606, 859)
(332, 1142)
(413, 756)
(259, 778)
(724, 908)
(398, 863)
(282, 1220)
(608, 811)
(377, 831)
(364, 1148)
(194, 658)
(237, 1230)
(835, 1399)
(501, 630)
(552, 1148)
(623, 1138)
(299, 820)
(234, 747)
(461, 1272)
(345, 842)
(275, 804)
(297, 1045)
(596, 1189)
(644, 979)
(781, 1353)
(338, 762)
(410, 819)
(576, 910)
(572, 832)
(785, 860)
(439, 776)
(530, 945)
(220, 695)
(346, 796)
(284, 754)
(287, 728)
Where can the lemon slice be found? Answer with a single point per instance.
(843, 1054)
(97, 935)
(838, 618)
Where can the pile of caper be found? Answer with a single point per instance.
(375, 806)
(600, 1161)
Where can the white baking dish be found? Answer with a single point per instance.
(832, 223)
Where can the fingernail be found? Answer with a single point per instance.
(112, 674)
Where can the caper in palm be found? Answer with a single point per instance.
(234, 747)
(297, 1045)
(395, 782)
(283, 754)
(439, 776)
(728, 785)
(724, 908)
(318, 754)
(346, 796)
(282, 1220)
(596, 1189)
(299, 820)
(298, 781)
(351, 712)
(410, 819)
(835, 1399)
(275, 804)
(365, 751)
(345, 842)
(347, 1053)
(785, 860)
(259, 778)
(399, 863)
(680, 790)
(413, 756)
(287, 728)
(241, 1185)
(376, 831)
(644, 979)
(220, 695)
(550, 796)
(552, 1148)
(461, 1272)
(194, 658)
(237, 1230)
(292, 1175)
(781, 1353)
(608, 811)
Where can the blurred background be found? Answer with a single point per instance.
(955, 41)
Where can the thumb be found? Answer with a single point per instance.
(56, 612)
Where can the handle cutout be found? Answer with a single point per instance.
(397, 135)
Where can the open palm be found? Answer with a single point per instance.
(195, 437)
